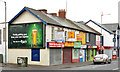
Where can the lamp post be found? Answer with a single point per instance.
(101, 28)
(5, 32)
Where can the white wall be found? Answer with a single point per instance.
(2, 45)
(108, 38)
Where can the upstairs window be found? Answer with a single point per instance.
(52, 34)
(87, 37)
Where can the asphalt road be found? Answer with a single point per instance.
(112, 66)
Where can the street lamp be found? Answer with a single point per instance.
(101, 28)
(5, 32)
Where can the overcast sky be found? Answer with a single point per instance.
(77, 10)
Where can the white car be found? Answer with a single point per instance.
(102, 58)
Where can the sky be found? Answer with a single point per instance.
(77, 10)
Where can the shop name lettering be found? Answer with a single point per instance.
(19, 36)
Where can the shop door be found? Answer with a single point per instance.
(35, 54)
(75, 55)
(55, 56)
(81, 55)
(67, 55)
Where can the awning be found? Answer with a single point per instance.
(100, 48)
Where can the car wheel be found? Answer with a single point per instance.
(94, 63)
(109, 62)
(105, 61)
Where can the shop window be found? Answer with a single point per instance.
(65, 35)
(35, 55)
(3, 34)
(52, 34)
(87, 37)
(0, 36)
(102, 40)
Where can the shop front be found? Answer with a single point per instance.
(75, 51)
(55, 52)
(92, 51)
(83, 53)
(67, 52)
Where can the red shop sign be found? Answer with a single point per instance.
(55, 45)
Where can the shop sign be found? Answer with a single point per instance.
(77, 44)
(89, 46)
(79, 37)
(71, 34)
(69, 44)
(92, 46)
(114, 52)
(55, 45)
(59, 35)
(83, 46)
(100, 48)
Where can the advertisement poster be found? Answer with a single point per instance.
(75, 53)
(71, 34)
(26, 36)
(59, 35)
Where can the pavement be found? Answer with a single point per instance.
(40, 67)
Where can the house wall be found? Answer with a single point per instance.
(92, 40)
(108, 38)
(25, 17)
(13, 53)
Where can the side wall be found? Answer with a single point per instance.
(14, 53)
(108, 38)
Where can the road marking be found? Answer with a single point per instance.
(115, 69)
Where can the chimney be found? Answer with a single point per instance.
(43, 10)
(55, 14)
(62, 13)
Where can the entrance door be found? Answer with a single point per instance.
(67, 55)
(81, 55)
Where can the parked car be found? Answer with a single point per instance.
(102, 58)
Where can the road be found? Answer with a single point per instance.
(91, 66)
(112, 66)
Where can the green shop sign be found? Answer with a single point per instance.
(26, 36)
(77, 44)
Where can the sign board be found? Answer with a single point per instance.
(69, 44)
(59, 35)
(55, 45)
(77, 44)
(79, 37)
(114, 52)
(92, 46)
(83, 46)
(26, 36)
(71, 34)
(97, 40)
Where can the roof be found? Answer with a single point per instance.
(100, 25)
(87, 28)
(52, 20)
(112, 26)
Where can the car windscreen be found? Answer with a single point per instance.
(99, 56)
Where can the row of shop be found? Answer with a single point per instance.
(61, 53)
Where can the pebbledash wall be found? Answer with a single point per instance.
(13, 53)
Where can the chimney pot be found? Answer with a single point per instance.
(62, 13)
(43, 10)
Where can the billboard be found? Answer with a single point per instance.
(26, 36)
